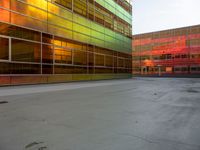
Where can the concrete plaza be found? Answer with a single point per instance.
(129, 114)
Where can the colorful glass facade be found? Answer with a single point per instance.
(174, 52)
(45, 38)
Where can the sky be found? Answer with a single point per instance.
(155, 15)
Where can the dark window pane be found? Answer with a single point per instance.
(47, 69)
(80, 7)
(19, 32)
(128, 63)
(121, 70)
(103, 70)
(63, 69)
(25, 51)
(91, 70)
(4, 68)
(99, 60)
(4, 48)
(109, 61)
(115, 62)
(80, 70)
(47, 38)
(47, 54)
(91, 59)
(120, 62)
(64, 3)
(24, 68)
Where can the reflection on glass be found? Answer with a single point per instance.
(47, 69)
(47, 54)
(25, 51)
(4, 48)
(174, 51)
(80, 57)
(63, 56)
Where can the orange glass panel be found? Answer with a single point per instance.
(5, 15)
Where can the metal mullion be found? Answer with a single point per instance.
(53, 56)
(4, 36)
(72, 5)
(87, 9)
(10, 51)
(113, 67)
(23, 62)
(124, 63)
(87, 59)
(94, 69)
(72, 56)
(41, 50)
(117, 63)
(72, 50)
(104, 59)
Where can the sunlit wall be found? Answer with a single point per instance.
(65, 36)
(172, 52)
(57, 19)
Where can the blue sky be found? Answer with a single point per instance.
(155, 15)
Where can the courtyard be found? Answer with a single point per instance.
(127, 114)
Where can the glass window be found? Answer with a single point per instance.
(5, 15)
(115, 62)
(16, 68)
(47, 54)
(80, 7)
(64, 3)
(63, 56)
(47, 38)
(28, 22)
(4, 68)
(58, 41)
(99, 17)
(75, 46)
(18, 32)
(80, 70)
(29, 10)
(4, 48)
(99, 60)
(120, 70)
(5, 4)
(91, 70)
(91, 10)
(59, 69)
(109, 61)
(25, 51)
(80, 57)
(91, 59)
(103, 70)
(120, 62)
(47, 69)
(128, 63)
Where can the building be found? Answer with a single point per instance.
(46, 41)
(174, 52)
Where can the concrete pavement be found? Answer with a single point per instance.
(130, 114)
